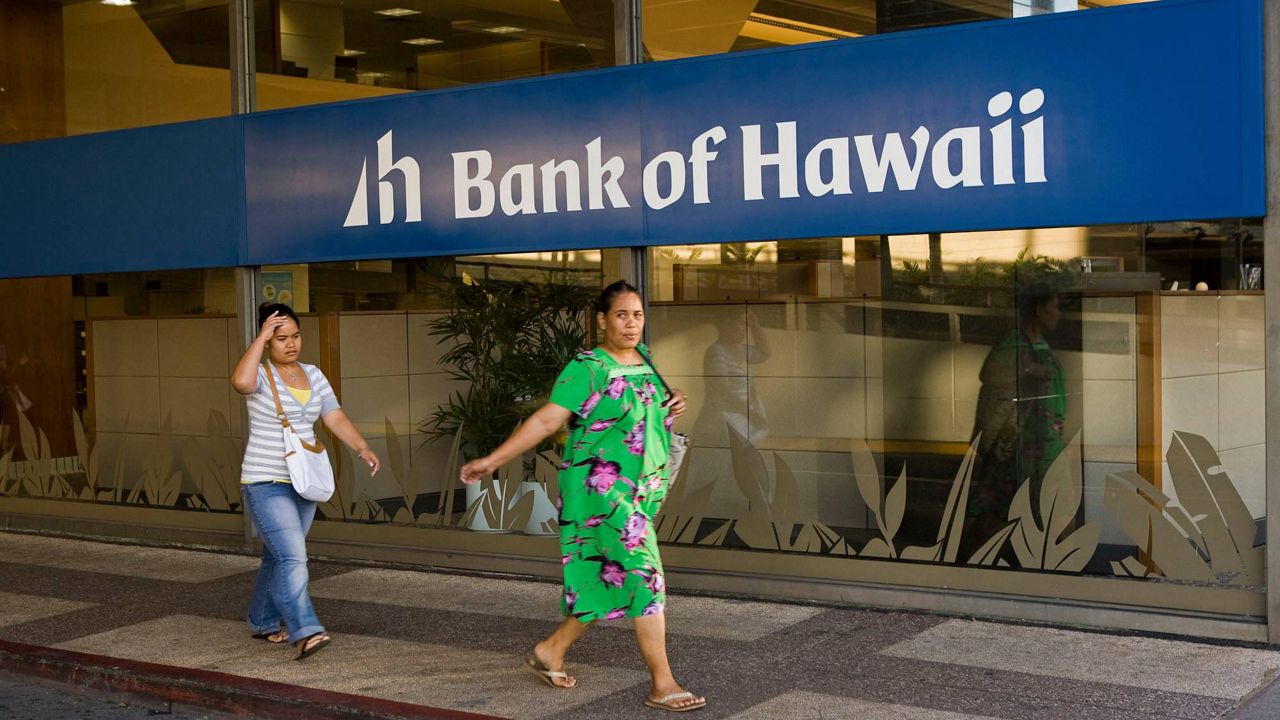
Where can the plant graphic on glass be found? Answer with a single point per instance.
(510, 340)
(176, 472)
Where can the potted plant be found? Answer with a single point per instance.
(510, 338)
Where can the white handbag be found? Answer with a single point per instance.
(309, 468)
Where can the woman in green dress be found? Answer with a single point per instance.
(612, 483)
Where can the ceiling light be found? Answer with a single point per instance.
(504, 29)
(397, 12)
(352, 53)
(370, 75)
(118, 3)
(422, 41)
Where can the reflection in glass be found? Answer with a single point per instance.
(83, 67)
(1020, 423)
(730, 399)
(312, 51)
(688, 28)
(972, 399)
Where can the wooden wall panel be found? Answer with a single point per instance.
(37, 330)
(32, 80)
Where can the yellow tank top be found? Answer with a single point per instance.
(302, 396)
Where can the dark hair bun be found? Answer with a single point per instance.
(605, 301)
(267, 309)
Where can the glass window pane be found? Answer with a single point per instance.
(83, 67)
(688, 28)
(1041, 399)
(393, 336)
(142, 360)
(313, 51)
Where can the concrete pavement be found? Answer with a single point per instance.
(454, 642)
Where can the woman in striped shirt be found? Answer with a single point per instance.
(281, 608)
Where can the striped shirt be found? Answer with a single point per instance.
(264, 454)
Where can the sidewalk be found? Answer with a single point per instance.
(438, 645)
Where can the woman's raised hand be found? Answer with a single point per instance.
(478, 469)
(269, 326)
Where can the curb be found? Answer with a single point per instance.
(243, 696)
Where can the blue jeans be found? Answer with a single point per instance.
(282, 519)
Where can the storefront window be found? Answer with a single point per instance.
(313, 51)
(113, 389)
(388, 335)
(680, 28)
(1072, 400)
(83, 67)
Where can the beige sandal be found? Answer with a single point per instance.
(548, 676)
(665, 702)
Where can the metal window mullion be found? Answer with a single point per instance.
(1271, 292)
(243, 86)
(627, 38)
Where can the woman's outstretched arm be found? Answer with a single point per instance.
(537, 428)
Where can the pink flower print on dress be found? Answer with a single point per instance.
(616, 614)
(648, 391)
(590, 404)
(635, 439)
(654, 608)
(594, 521)
(612, 573)
(601, 425)
(634, 530)
(668, 421)
(603, 474)
(565, 559)
(657, 583)
(616, 386)
(570, 599)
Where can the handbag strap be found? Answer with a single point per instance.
(275, 395)
(654, 368)
(284, 419)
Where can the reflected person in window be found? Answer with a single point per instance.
(730, 398)
(280, 609)
(1021, 416)
(612, 483)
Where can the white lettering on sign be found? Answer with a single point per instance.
(955, 157)
(358, 214)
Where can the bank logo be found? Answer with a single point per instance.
(358, 215)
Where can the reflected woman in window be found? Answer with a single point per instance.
(1021, 416)
(612, 484)
(280, 609)
(731, 398)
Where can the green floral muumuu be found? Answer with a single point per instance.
(612, 484)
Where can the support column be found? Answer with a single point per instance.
(628, 45)
(628, 49)
(244, 100)
(247, 314)
(243, 85)
(1271, 280)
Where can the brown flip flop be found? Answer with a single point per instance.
(310, 648)
(275, 637)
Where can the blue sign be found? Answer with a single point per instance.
(1080, 118)
(147, 199)
(1137, 113)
